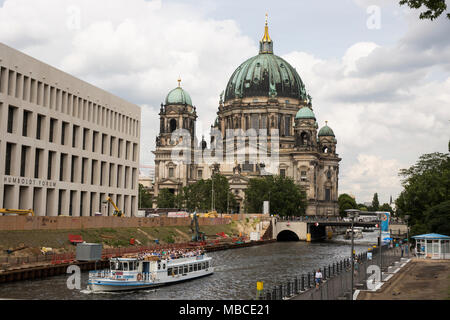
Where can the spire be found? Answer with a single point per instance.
(266, 37)
(179, 81)
(266, 44)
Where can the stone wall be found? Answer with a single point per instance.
(60, 223)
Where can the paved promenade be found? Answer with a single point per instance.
(418, 280)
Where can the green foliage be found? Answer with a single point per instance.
(438, 218)
(165, 199)
(198, 196)
(426, 185)
(145, 199)
(346, 202)
(434, 8)
(375, 203)
(286, 198)
(386, 207)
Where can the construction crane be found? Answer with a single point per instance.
(198, 235)
(17, 211)
(117, 211)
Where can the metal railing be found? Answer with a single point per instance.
(337, 278)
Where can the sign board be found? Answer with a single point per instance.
(254, 236)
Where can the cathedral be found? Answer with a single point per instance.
(265, 125)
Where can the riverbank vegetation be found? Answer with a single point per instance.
(426, 194)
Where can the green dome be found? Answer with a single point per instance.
(265, 75)
(305, 113)
(178, 96)
(326, 131)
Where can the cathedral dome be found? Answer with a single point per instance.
(265, 75)
(326, 131)
(178, 96)
(305, 113)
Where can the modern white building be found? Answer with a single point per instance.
(65, 145)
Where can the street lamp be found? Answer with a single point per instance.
(380, 218)
(407, 233)
(352, 213)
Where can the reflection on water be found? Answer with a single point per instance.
(235, 276)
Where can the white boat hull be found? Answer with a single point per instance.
(109, 285)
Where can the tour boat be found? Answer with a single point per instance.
(144, 272)
(357, 233)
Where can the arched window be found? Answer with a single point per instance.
(173, 125)
(304, 138)
(325, 149)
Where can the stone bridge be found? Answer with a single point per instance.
(311, 229)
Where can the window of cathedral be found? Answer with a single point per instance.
(173, 125)
(263, 121)
(303, 176)
(170, 172)
(199, 174)
(327, 194)
(283, 173)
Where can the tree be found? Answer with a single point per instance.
(386, 207)
(286, 198)
(434, 8)
(346, 202)
(145, 199)
(426, 186)
(165, 199)
(438, 218)
(375, 203)
(198, 196)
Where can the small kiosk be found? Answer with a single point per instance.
(432, 246)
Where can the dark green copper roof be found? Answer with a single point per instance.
(265, 75)
(178, 96)
(326, 131)
(305, 113)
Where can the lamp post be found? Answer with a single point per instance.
(407, 233)
(352, 213)
(380, 216)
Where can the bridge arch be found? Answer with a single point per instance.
(287, 235)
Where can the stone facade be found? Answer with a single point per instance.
(265, 100)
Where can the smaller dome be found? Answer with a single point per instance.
(326, 131)
(178, 96)
(305, 113)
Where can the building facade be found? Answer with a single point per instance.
(266, 100)
(65, 145)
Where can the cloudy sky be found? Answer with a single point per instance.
(377, 74)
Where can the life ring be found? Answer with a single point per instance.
(139, 277)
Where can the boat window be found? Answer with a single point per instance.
(185, 269)
(175, 270)
(159, 266)
(195, 267)
(201, 266)
(191, 268)
(164, 265)
(114, 265)
(125, 266)
(169, 271)
(207, 264)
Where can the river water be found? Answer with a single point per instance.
(235, 276)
